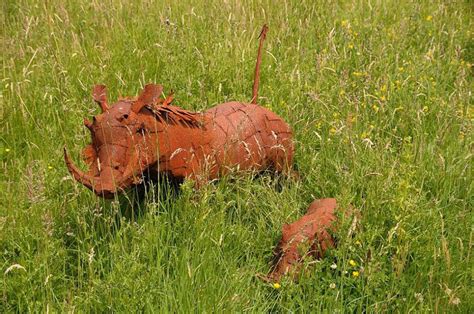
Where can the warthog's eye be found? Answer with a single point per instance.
(124, 117)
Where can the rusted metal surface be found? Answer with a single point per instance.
(263, 35)
(309, 236)
(148, 134)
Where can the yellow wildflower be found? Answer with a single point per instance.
(429, 17)
(276, 285)
(425, 109)
(375, 107)
(344, 23)
(355, 273)
(332, 131)
(352, 263)
(429, 55)
(383, 98)
(50, 167)
(7, 150)
(351, 46)
(358, 243)
(401, 69)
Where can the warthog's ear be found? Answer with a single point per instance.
(99, 93)
(150, 95)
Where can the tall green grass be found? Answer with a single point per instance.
(378, 93)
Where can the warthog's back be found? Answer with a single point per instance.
(248, 136)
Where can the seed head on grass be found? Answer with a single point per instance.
(419, 297)
(14, 266)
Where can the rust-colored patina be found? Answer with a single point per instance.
(308, 236)
(148, 134)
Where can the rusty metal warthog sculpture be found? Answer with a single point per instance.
(135, 136)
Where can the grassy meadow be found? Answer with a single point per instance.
(379, 96)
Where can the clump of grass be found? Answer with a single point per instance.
(378, 95)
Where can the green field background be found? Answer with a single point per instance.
(378, 94)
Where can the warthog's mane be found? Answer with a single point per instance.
(175, 115)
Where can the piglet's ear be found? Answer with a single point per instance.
(99, 93)
(149, 95)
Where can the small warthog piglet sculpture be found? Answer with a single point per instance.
(309, 236)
